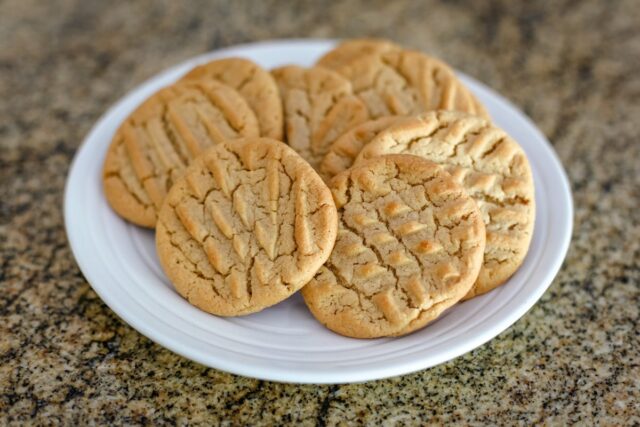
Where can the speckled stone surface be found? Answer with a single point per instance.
(65, 358)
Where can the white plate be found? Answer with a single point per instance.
(284, 342)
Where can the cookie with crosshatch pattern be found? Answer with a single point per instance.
(410, 244)
(247, 225)
(492, 168)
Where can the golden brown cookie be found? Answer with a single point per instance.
(405, 82)
(319, 106)
(410, 243)
(347, 50)
(492, 168)
(248, 224)
(254, 83)
(342, 153)
(159, 139)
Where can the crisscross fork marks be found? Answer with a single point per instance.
(399, 235)
(388, 251)
(259, 217)
(492, 168)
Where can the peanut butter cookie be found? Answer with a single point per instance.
(319, 106)
(247, 225)
(349, 49)
(410, 243)
(344, 150)
(159, 139)
(254, 83)
(492, 168)
(405, 82)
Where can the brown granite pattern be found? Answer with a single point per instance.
(65, 358)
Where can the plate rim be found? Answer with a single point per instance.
(278, 373)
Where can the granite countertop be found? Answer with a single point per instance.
(65, 358)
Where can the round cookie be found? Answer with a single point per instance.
(349, 49)
(492, 168)
(248, 224)
(410, 243)
(254, 83)
(319, 106)
(159, 139)
(342, 153)
(406, 82)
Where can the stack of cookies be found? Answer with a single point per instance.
(374, 182)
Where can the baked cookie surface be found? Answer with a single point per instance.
(406, 82)
(248, 224)
(319, 106)
(159, 139)
(410, 244)
(344, 150)
(347, 50)
(255, 84)
(493, 169)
